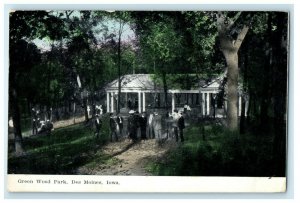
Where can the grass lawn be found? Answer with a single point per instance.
(222, 153)
(60, 153)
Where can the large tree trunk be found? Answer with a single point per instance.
(280, 93)
(86, 115)
(242, 119)
(165, 89)
(244, 67)
(16, 121)
(229, 45)
(119, 73)
(265, 97)
(232, 89)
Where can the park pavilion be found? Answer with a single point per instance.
(142, 93)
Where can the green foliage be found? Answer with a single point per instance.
(23, 56)
(222, 153)
(162, 45)
(62, 152)
(163, 42)
(47, 82)
(32, 24)
(202, 32)
(167, 43)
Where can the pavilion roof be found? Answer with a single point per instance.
(147, 82)
(134, 81)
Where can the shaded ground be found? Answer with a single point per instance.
(128, 158)
(75, 150)
(208, 150)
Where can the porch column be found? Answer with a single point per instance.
(173, 102)
(240, 105)
(208, 104)
(225, 107)
(126, 100)
(203, 104)
(144, 101)
(139, 102)
(107, 102)
(246, 106)
(112, 101)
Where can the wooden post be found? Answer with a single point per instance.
(107, 102)
(173, 102)
(126, 100)
(208, 104)
(203, 104)
(112, 101)
(240, 105)
(139, 102)
(144, 101)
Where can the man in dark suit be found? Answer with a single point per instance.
(113, 128)
(143, 126)
(137, 123)
(120, 122)
(181, 126)
(34, 121)
(132, 126)
(98, 125)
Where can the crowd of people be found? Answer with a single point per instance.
(139, 126)
(40, 125)
(142, 126)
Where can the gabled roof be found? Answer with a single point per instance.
(137, 82)
(213, 83)
(133, 81)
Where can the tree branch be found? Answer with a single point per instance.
(68, 14)
(220, 22)
(233, 20)
(241, 37)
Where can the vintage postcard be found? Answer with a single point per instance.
(147, 101)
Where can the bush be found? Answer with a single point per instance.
(223, 153)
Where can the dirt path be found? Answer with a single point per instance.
(128, 158)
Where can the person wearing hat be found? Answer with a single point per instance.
(181, 126)
(132, 126)
(143, 126)
(157, 126)
(120, 122)
(113, 128)
(150, 126)
(34, 121)
(98, 125)
(175, 116)
(137, 121)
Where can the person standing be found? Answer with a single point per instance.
(101, 109)
(113, 128)
(98, 125)
(136, 103)
(49, 114)
(143, 126)
(157, 126)
(129, 103)
(150, 126)
(137, 118)
(175, 116)
(120, 122)
(181, 126)
(34, 121)
(132, 126)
